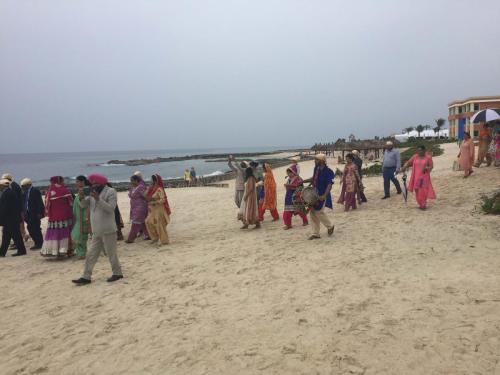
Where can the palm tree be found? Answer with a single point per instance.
(409, 129)
(440, 122)
(420, 129)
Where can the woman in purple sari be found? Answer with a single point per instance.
(138, 208)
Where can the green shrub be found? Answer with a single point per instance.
(373, 170)
(432, 145)
(491, 203)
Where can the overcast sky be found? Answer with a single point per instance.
(157, 74)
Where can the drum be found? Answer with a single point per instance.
(310, 196)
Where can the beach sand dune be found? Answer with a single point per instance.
(394, 291)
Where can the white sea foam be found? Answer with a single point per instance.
(216, 173)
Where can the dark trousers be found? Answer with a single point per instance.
(35, 231)
(388, 177)
(12, 231)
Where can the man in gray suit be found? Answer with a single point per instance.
(102, 204)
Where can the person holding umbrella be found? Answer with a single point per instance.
(420, 180)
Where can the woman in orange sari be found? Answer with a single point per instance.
(466, 155)
(269, 199)
(158, 211)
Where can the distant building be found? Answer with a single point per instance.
(460, 112)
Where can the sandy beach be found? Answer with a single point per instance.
(394, 291)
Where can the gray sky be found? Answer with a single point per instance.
(120, 74)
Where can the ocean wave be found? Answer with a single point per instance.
(216, 173)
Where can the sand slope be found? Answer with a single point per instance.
(395, 291)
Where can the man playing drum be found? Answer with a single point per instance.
(322, 180)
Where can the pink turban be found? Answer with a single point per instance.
(98, 179)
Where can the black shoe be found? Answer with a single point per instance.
(18, 254)
(36, 247)
(114, 278)
(400, 192)
(81, 281)
(387, 196)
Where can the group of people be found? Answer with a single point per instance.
(488, 150)
(190, 177)
(83, 222)
(256, 193)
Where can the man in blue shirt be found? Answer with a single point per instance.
(322, 180)
(391, 166)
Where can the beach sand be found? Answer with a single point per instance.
(394, 291)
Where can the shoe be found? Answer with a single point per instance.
(331, 230)
(35, 248)
(129, 241)
(18, 254)
(385, 197)
(400, 192)
(314, 237)
(81, 281)
(114, 278)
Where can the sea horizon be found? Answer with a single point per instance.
(41, 166)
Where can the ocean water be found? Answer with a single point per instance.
(40, 167)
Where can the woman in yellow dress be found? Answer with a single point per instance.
(158, 211)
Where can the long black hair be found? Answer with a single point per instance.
(83, 179)
(248, 173)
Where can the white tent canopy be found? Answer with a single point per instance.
(428, 133)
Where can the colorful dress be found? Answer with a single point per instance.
(420, 180)
(81, 228)
(290, 210)
(351, 186)
(249, 213)
(58, 203)
(269, 195)
(467, 153)
(159, 212)
(138, 211)
(497, 149)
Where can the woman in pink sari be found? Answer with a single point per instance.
(351, 185)
(58, 203)
(420, 180)
(466, 155)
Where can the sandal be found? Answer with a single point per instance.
(331, 230)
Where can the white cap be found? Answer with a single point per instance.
(321, 157)
(4, 182)
(138, 174)
(7, 176)
(355, 152)
(26, 181)
(389, 143)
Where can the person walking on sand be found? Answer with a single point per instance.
(10, 219)
(269, 198)
(420, 180)
(322, 180)
(239, 185)
(33, 212)
(192, 176)
(466, 155)
(485, 138)
(351, 184)
(390, 166)
(291, 185)
(187, 177)
(59, 207)
(159, 211)
(249, 212)
(81, 218)
(101, 204)
(359, 163)
(138, 209)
